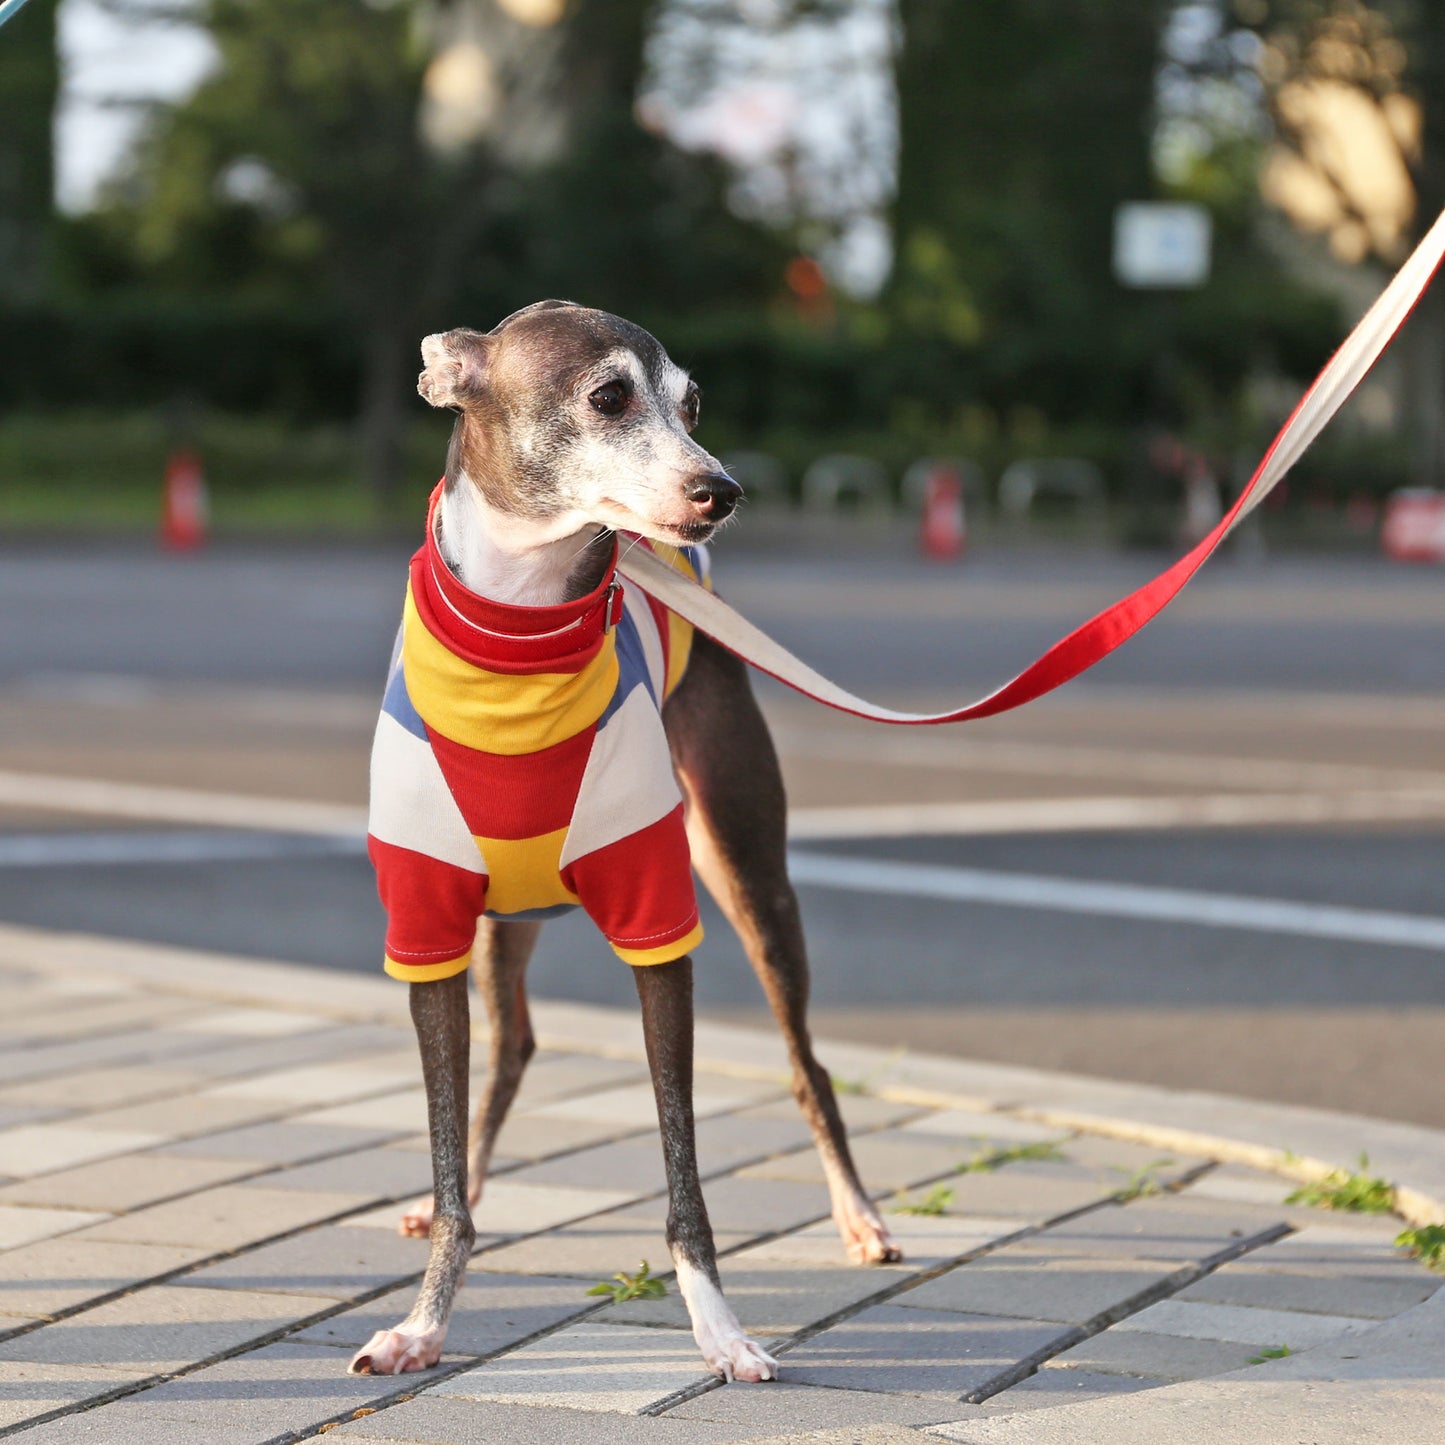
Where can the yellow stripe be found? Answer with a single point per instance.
(679, 649)
(500, 712)
(427, 972)
(525, 873)
(642, 957)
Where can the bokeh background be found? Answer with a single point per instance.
(884, 235)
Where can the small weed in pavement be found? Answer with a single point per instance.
(936, 1201)
(623, 1286)
(1427, 1244)
(1358, 1193)
(1142, 1182)
(863, 1083)
(987, 1160)
(1275, 1352)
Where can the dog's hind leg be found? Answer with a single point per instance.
(737, 826)
(443, 1029)
(665, 991)
(499, 966)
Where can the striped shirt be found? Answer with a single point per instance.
(520, 769)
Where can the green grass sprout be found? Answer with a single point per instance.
(987, 1160)
(1358, 1193)
(936, 1201)
(1274, 1352)
(641, 1285)
(1427, 1244)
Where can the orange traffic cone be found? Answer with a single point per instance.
(943, 533)
(185, 509)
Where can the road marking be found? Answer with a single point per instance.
(58, 850)
(1116, 900)
(156, 804)
(1067, 815)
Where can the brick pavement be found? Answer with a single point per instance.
(202, 1161)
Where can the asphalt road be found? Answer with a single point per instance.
(1315, 683)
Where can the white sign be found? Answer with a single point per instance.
(1162, 245)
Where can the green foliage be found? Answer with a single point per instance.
(936, 1201)
(624, 1286)
(1274, 1352)
(1425, 1243)
(1143, 1182)
(1357, 1193)
(985, 1161)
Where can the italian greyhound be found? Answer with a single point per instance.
(572, 426)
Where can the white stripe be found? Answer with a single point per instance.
(1116, 900)
(58, 850)
(1065, 815)
(412, 806)
(54, 793)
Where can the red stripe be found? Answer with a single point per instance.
(521, 796)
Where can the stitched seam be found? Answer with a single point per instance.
(666, 935)
(442, 954)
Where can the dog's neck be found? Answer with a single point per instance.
(513, 559)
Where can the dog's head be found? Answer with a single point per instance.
(573, 415)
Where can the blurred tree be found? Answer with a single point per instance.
(1357, 93)
(29, 81)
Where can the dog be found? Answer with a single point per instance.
(551, 737)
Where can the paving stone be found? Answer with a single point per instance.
(332, 1261)
(591, 1249)
(1049, 1387)
(128, 1421)
(59, 1274)
(1072, 1291)
(1163, 1357)
(552, 1076)
(28, 1389)
(171, 1120)
(401, 1112)
(1237, 1324)
(256, 1023)
(770, 1298)
(587, 1366)
(730, 1141)
(980, 1130)
(1150, 1229)
(123, 1183)
(28, 1224)
(227, 1217)
(115, 1084)
(508, 1209)
(25, 1113)
(810, 1407)
(1118, 1160)
(261, 1055)
(532, 1137)
(280, 1142)
(917, 1352)
(1338, 1247)
(1032, 1193)
(752, 1206)
(136, 1045)
(433, 1419)
(887, 1160)
(330, 1083)
(926, 1240)
(1319, 1292)
(43, 1148)
(162, 1328)
(860, 1112)
(492, 1313)
(631, 1166)
(379, 1172)
(1233, 1184)
(634, 1105)
(104, 1015)
(272, 1391)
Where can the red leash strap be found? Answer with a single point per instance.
(1110, 629)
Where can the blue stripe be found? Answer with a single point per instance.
(631, 667)
(397, 704)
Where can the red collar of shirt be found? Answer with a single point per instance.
(505, 637)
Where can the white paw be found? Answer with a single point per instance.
(739, 1358)
(865, 1236)
(416, 1221)
(398, 1352)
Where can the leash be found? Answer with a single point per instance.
(1114, 626)
(10, 9)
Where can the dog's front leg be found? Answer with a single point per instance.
(665, 990)
(441, 1014)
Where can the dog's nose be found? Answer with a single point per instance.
(714, 495)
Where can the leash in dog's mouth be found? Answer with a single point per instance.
(1114, 626)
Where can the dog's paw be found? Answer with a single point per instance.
(735, 1357)
(398, 1352)
(415, 1221)
(866, 1237)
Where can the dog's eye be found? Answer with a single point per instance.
(610, 398)
(691, 406)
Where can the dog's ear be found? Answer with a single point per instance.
(456, 367)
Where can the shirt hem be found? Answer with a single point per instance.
(663, 953)
(427, 972)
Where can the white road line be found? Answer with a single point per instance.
(1065, 815)
(58, 850)
(1116, 900)
(54, 793)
